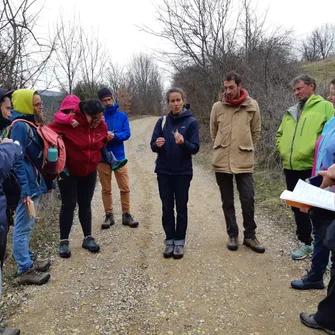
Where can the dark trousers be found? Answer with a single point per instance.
(245, 187)
(325, 315)
(3, 240)
(73, 190)
(174, 189)
(320, 256)
(304, 226)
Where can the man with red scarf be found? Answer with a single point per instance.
(235, 127)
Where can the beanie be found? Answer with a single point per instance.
(104, 92)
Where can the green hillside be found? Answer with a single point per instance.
(323, 71)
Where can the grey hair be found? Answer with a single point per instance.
(308, 80)
(175, 90)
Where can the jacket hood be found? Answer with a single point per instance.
(23, 101)
(70, 102)
(112, 109)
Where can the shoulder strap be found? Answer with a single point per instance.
(163, 121)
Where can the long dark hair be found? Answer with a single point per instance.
(91, 107)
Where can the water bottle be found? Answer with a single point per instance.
(52, 155)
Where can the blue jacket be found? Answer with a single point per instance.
(117, 122)
(174, 159)
(9, 152)
(28, 165)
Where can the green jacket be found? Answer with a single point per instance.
(295, 140)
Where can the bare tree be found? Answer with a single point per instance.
(95, 63)
(23, 56)
(145, 85)
(69, 53)
(320, 44)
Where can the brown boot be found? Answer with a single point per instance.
(232, 243)
(42, 266)
(253, 244)
(33, 277)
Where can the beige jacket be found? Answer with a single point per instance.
(234, 130)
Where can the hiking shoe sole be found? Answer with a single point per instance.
(232, 248)
(65, 255)
(105, 226)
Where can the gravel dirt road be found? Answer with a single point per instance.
(129, 288)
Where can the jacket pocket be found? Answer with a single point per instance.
(220, 157)
(245, 157)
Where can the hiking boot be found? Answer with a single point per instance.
(309, 282)
(309, 321)
(90, 244)
(303, 252)
(42, 266)
(9, 331)
(178, 251)
(232, 243)
(168, 252)
(108, 221)
(128, 220)
(33, 277)
(64, 249)
(115, 164)
(253, 244)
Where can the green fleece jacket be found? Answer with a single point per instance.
(296, 138)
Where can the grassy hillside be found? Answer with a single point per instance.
(323, 71)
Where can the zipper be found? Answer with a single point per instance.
(89, 150)
(295, 132)
(303, 125)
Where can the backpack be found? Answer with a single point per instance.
(48, 139)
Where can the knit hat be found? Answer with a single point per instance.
(104, 92)
(5, 93)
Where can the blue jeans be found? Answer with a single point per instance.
(21, 236)
(320, 256)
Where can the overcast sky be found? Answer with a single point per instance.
(117, 20)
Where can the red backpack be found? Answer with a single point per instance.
(50, 139)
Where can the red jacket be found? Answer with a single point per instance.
(83, 144)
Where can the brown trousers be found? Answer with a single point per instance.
(122, 179)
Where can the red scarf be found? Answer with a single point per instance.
(237, 102)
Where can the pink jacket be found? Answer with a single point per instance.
(70, 102)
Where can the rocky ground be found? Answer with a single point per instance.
(129, 288)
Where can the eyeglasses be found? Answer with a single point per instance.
(38, 104)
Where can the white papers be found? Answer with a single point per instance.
(307, 194)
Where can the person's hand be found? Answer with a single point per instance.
(305, 209)
(160, 142)
(111, 135)
(74, 123)
(7, 140)
(26, 200)
(327, 177)
(179, 138)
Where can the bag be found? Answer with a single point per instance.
(49, 139)
(12, 189)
